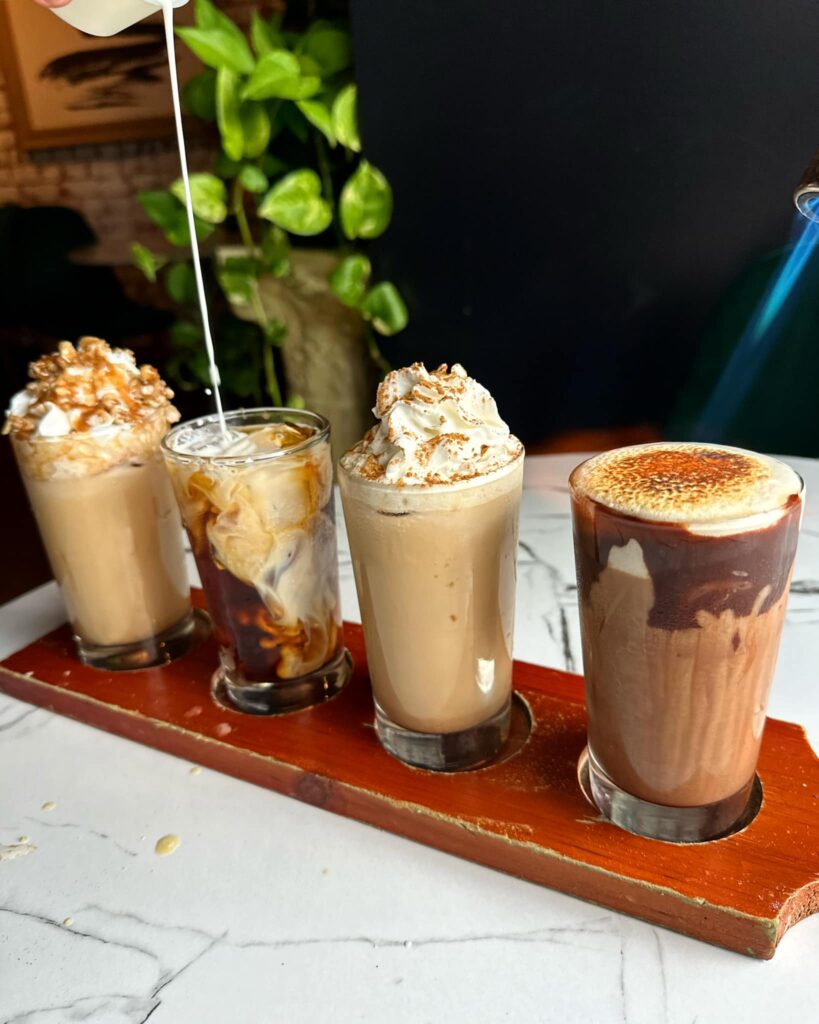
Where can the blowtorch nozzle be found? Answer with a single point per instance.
(806, 194)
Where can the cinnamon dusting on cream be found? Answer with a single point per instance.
(437, 427)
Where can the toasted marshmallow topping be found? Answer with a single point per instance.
(88, 389)
(698, 485)
(435, 428)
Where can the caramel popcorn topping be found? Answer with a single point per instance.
(95, 386)
(87, 409)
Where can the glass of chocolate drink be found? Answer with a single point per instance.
(431, 499)
(684, 557)
(86, 435)
(257, 501)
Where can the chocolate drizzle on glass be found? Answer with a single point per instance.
(692, 572)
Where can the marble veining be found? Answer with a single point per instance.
(83, 829)
(272, 910)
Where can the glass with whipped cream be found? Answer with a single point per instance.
(86, 435)
(684, 557)
(257, 501)
(431, 501)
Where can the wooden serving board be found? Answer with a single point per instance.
(524, 815)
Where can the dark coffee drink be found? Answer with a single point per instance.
(257, 501)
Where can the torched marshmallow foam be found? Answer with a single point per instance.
(88, 409)
(435, 428)
(684, 554)
(702, 486)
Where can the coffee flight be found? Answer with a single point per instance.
(684, 555)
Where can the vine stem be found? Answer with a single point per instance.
(373, 347)
(268, 360)
(323, 161)
(376, 354)
(270, 374)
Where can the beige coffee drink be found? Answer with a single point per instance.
(86, 435)
(431, 499)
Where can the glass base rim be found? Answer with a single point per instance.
(283, 696)
(459, 751)
(663, 822)
(153, 652)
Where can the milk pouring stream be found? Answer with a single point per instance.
(106, 18)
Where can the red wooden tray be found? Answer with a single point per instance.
(525, 815)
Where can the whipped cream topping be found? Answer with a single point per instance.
(90, 389)
(434, 428)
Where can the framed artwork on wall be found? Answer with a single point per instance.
(67, 88)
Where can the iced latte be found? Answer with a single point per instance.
(257, 501)
(684, 557)
(431, 498)
(86, 435)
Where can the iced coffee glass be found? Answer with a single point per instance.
(435, 572)
(684, 556)
(257, 502)
(86, 436)
(435, 565)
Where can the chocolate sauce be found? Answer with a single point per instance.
(690, 572)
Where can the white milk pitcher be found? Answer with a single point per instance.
(107, 17)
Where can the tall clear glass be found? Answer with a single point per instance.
(680, 628)
(111, 529)
(435, 572)
(262, 528)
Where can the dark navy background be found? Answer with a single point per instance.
(578, 183)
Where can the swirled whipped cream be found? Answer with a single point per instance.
(434, 428)
(87, 408)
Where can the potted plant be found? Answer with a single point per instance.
(292, 189)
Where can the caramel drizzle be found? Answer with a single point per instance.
(85, 383)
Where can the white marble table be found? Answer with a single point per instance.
(274, 911)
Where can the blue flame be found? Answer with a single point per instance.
(758, 338)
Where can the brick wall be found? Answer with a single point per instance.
(101, 181)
